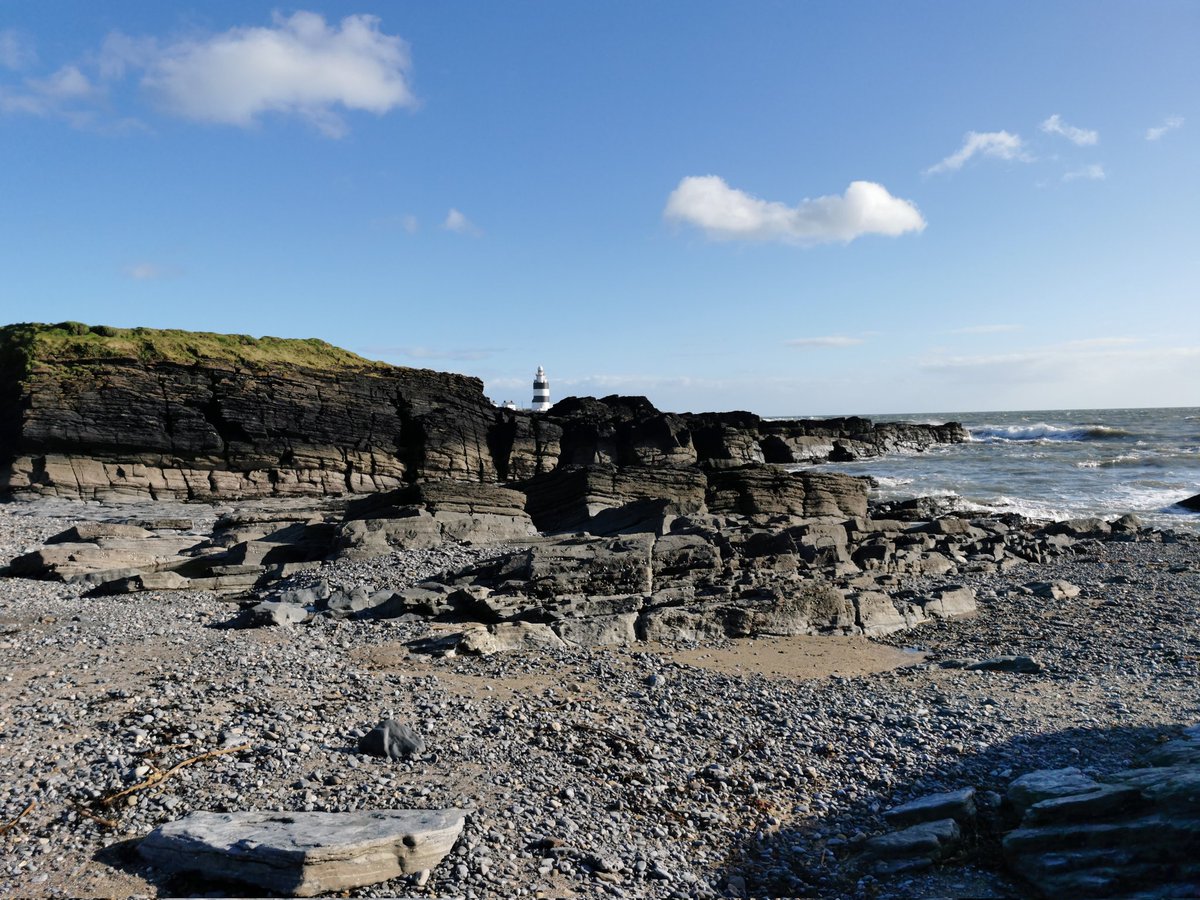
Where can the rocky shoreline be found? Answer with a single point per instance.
(102, 413)
(674, 769)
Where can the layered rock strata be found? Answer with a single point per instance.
(704, 576)
(431, 513)
(1129, 833)
(110, 413)
(107, 413)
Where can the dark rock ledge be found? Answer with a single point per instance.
(108, 413)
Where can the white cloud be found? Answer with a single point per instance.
(1082, 137)
(301, 66)
(58, 94)
(68, 83)
(1092, 360)
(15, 51)
(984, 329)
(835, 340)
(725, 213)
(14, 102)
(1094, 172)
(120, 52)
(1170, 123)
(148, 271)
(1090, 343)
(996, 144)
(460, 224)
(408, 222)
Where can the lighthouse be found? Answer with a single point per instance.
(541, 391)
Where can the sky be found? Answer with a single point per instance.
(794, 208)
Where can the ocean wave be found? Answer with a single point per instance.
(886, 481)
(1030, 509)
(1184, 459)
(1043, 431)
(1125, 459)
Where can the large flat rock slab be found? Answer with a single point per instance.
(305, 853)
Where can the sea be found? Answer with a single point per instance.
(1054, 464)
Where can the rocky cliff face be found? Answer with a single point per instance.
(629, 431)
(107, 413)
(99, 412)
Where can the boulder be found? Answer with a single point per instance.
(1133, 833)
(618, 565)
(392, 740)
(92, 532)
(1054, 590)
(1024, 665)
(821, 544)
(1128, 524)
(876, 614)
(954, 526)
(429, 514)
(1046, 784)
(916, 847)
(618, 630)
(804, 608)
(954, 602)
(620, 431)
(957, 805)
(302, 854)
(148, 581)
(1079, 528)
(763, 492)
(277, 612)
(1192, 503)
(104, 559)
(674, 624)
(508, 636)
(604, 499)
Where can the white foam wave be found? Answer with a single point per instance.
(885, 481)
(1030, 509)
(1044, 431)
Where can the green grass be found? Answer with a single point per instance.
(72, 343)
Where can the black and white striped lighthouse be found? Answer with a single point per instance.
(541, 391)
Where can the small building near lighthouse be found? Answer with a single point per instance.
(541, 391)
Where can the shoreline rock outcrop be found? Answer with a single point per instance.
(93, 412)
(102, 413)
(1130, 833)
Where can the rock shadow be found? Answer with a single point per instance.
(826, 855)
(124, 856)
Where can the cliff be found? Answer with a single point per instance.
(107, 412)
(99, 412)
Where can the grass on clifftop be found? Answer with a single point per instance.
(72, 343)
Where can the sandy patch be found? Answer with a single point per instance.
(804, 657)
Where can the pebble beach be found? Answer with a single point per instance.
(738, 768)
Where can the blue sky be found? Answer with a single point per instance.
(792, 208)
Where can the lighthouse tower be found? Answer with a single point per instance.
(541, 391)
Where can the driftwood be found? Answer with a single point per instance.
(159, 776)
(8, 826)
(100, 820)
